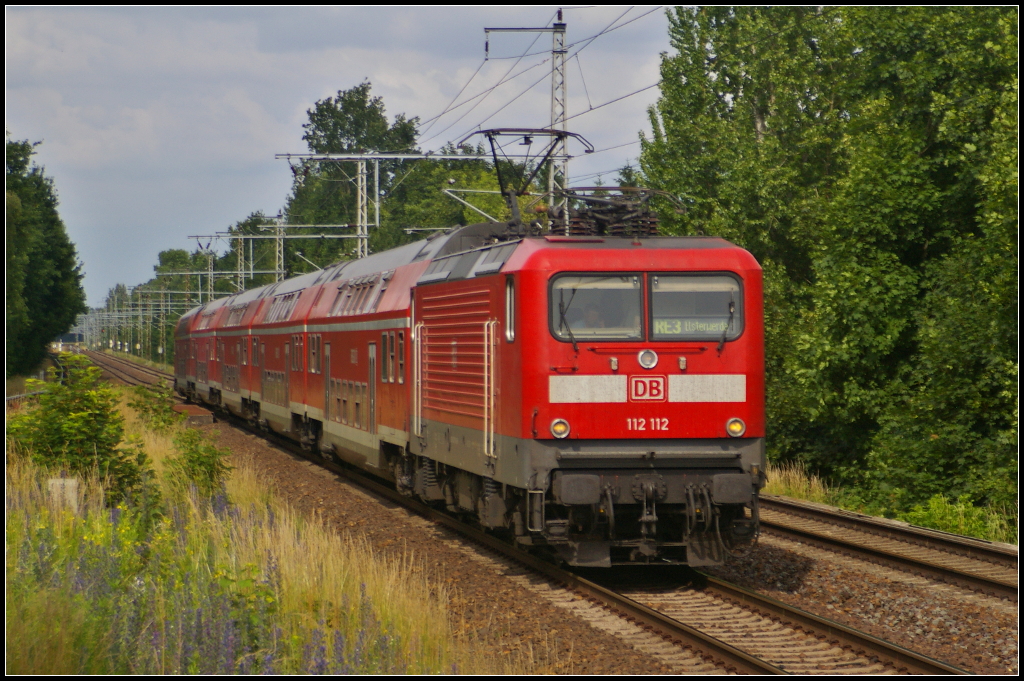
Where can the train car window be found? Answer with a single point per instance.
(344, 402)
(242, 352)
(235, 316)
(401, 356)
(707, 307)
(391, 357)
(344, 293)
(510, 310)
(357, 416)
(588, 307)
(314, 354)
(384, 359)
(255, 352)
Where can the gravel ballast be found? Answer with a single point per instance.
(974, 632)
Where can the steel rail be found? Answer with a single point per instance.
(903, 659)
(119, 368)
(956, 546)
(980, 549)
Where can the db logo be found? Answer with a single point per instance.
(647, 389)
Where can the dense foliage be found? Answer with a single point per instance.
(867, 157)
(44, 278)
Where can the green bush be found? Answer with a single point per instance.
(76, 429)
(155, 407)
(197, 461)
(963, 517)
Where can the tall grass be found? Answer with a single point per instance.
(237, 582)
(793, 480)
(959, 516)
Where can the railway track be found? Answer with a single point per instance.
(974, 564)
(716, 623)
(127, 371)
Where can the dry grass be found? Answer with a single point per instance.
(158, 445)
(793, 480)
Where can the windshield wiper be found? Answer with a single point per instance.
(561, 314)
(728, 325)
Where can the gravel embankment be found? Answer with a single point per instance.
(975, 632)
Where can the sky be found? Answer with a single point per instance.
(157, 124)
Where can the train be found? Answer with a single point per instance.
(595, 393)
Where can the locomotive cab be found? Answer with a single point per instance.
(613, 387)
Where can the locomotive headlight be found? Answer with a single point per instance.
(735, 427)
(648, 359)
(560, 428)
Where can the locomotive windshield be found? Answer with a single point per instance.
(695, 307)
(596, 307)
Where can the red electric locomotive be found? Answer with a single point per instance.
(595, 394)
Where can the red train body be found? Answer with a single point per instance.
(602, 397)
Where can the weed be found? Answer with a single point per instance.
(960, 516)
(197, 461)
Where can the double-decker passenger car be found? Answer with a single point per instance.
(600, 396)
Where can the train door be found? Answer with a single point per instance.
(372, 388)
(327, 382)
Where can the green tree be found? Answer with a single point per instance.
(354, 121)
(419, 200)
(864, 156)
(44, 278)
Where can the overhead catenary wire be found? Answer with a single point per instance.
(612, 101)
(485, 92)
(488, 92)
(586, 90)
(591, 38)
(602, 172)
(586, 43)
(449, 107)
